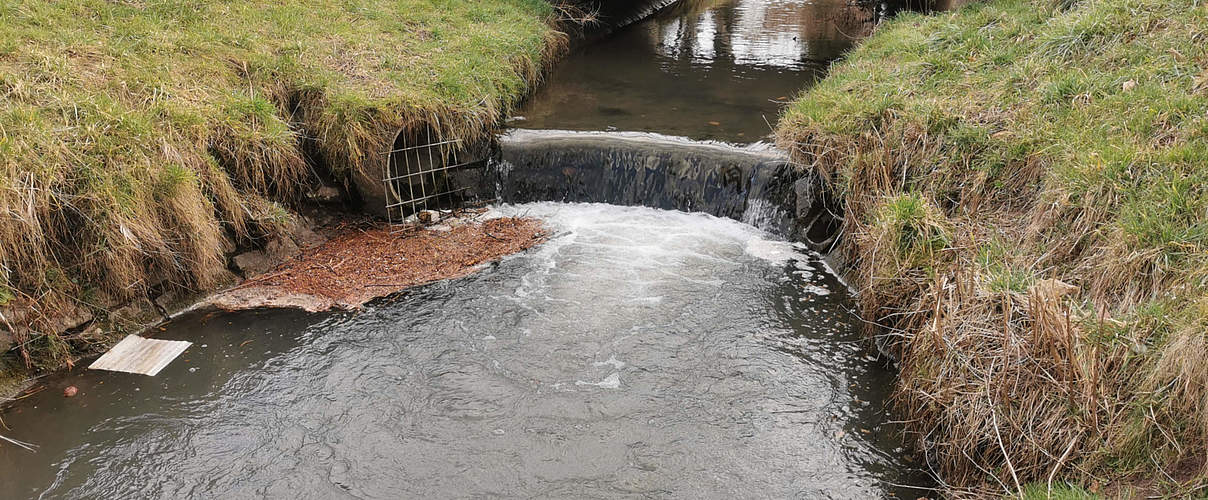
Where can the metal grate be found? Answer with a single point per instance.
(417, 176)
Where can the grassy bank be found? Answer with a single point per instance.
(141, 140)
(1026, 216)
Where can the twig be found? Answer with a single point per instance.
(1060, 461)
(1014, 477)
(27, 446)
(28, 394)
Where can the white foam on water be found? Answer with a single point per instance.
(611, 361)
(816, 290)
(648, 238)
(647, 300)
(612, 381)
(775, 252)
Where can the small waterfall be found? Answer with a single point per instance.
(754, 184)
(763, 214)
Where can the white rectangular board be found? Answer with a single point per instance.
(135, 354)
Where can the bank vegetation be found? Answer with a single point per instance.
(142, 140)
(1025, 188)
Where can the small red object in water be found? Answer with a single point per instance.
(70, 391)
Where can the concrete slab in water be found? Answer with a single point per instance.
(135, 354)
(755, 183)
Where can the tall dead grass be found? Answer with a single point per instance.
(1023, 202)
(139, 143)
(1012, 377)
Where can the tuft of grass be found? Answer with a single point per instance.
(1061, 330)
(1060, 491)
(913, 227)
(141, 140)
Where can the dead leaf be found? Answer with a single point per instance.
(1200, 83)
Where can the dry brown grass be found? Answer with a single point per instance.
(1007, 381)
(1028, 238)
(140, 142)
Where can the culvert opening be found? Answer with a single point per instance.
(421, 175)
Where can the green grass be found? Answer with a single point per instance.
(1067, 150)
(1060, 491)
(141, 139)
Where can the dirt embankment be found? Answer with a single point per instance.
(129, 172)
(1024, 215)
(360, 263)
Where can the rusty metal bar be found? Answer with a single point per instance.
(450, 167)
(451, 191)
(409, 148)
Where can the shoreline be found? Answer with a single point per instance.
(361, 249)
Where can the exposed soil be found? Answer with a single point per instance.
(361, 263)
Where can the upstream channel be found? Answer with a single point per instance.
(638, 353)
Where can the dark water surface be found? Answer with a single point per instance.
(705, 69)
(640, 353)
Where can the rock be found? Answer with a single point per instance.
(805, 190)
(428, 216)
(281, 249)
(1129, 85)
(129, 313)
(70, 391)
(6, 341)
(303, 236)
(72, 317)
(167, 299)
(325, 194)
(252, 263)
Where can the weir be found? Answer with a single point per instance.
(755, 184)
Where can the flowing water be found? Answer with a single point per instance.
(704, 69)
(640, 352)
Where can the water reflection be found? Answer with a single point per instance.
(787, 34)
(706, 69)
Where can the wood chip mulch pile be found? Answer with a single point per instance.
(358, 264)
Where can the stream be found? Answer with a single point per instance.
(702, 69)
(638, 353)
(641, 352)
